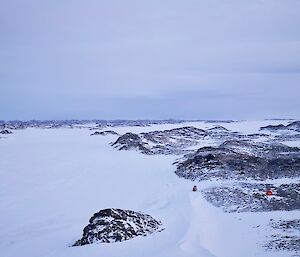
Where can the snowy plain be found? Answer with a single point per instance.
(54, 180)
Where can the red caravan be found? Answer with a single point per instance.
(269, 192)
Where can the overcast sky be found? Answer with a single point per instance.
(157, 59)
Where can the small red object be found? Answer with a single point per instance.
(269, 192)
(194, 188)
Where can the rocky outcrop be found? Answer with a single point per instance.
(104, 133)
(98, 124)
(286, 237)
(259, 149)
(274, 127)
(130, 141)
(291, 126)
(116, 225)
(174, 141)
(219, 129)
(294, 126)
(160, 142)
(244, 197)
(5, 132)
(241, 160)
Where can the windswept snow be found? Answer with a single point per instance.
(54, 180)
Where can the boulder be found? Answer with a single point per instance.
(116, 225)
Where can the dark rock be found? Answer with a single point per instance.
(257, 135)
(244, 197)
(5, 132)
(288, 239)
(295, 126)
(291, 126)
(273, 127)
(131, 141)
(104, 133)
(115, 225)
(219, 129)
(220, 121)
(174, 141)
(287, 225)
(241, 160)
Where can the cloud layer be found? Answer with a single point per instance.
(150, 59)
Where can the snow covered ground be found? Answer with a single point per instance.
(53, 180)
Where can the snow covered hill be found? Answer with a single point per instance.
(54, 180)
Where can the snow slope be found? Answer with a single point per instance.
(54, 180)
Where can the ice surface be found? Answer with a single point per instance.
(53, 180)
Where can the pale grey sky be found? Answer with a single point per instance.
(155, 59)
